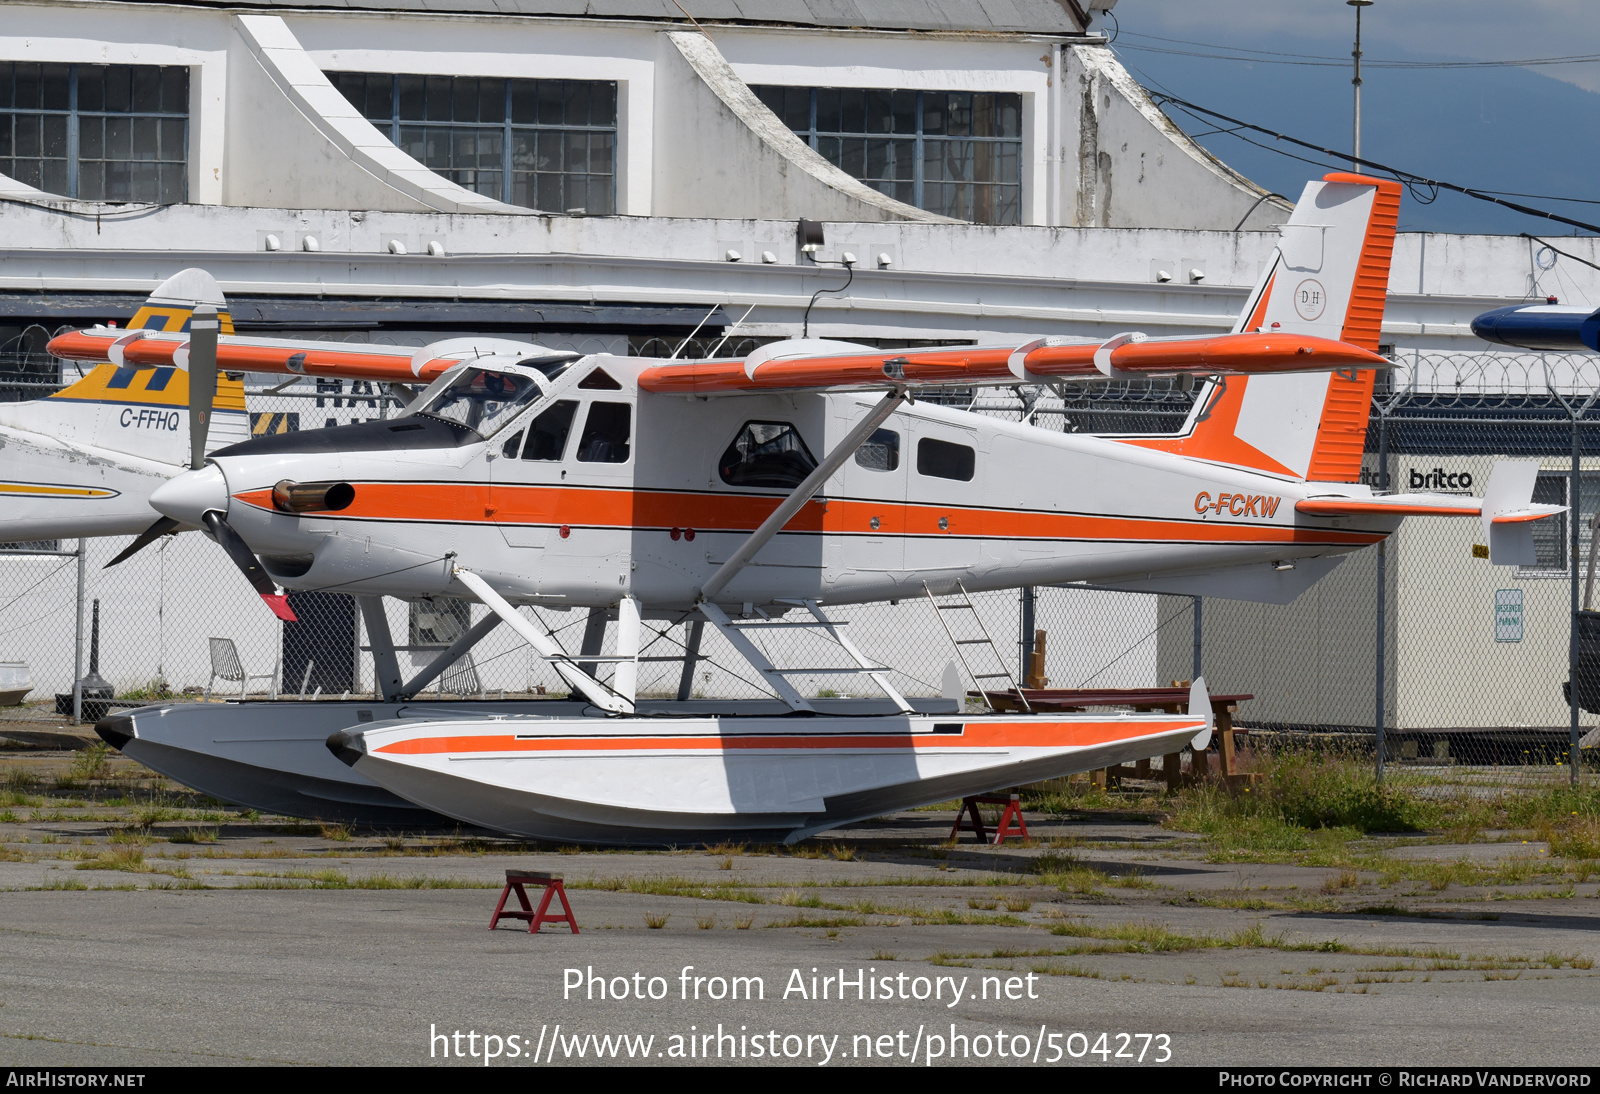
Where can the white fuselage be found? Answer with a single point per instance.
(969, 498)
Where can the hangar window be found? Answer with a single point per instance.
(958, 153)
(542, 144)
(766, 454)
(97, 132)
(943, 460)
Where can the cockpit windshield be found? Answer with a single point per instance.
(482, 399)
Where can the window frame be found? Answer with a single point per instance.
(1588, 492)
(588, 413)
(75, 114)
(392, 126)
(971, 450)
(722, 475)
(922, 144)
(892, 447)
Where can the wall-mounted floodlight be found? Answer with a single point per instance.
(809, 235)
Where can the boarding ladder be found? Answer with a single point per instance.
(738, 632)
(957, 608)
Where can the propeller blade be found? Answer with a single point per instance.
(163, 527)
(244, 558)
(203, 328)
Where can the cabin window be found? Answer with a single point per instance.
(958, 153)
(542, 144)
(943, 460)
(547, 436)
(606, 433)
(881, 452)
(599, 380)
(97, 132)
(766, 454)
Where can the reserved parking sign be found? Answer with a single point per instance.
(1508, 615)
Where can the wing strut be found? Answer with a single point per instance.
(592, 689)
(802, 494)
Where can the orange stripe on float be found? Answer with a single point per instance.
(976, 736)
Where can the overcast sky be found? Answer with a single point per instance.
(1470, 29)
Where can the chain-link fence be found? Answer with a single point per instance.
(1472, 658)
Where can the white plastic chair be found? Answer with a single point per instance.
(225, 664)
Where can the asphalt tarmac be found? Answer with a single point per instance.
(1191, 961)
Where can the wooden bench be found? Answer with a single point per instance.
(516, 880)
(1012, 812)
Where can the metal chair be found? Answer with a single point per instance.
(462, 679)
(225, 664)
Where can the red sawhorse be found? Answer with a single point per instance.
(1011, 814)
(515, 880)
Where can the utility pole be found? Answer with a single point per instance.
(1356, 53)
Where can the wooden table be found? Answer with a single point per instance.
(1173, 700)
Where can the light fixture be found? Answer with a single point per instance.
(435, 248)
(884, 261)
(732, 255)
(1163, 276)
(309, 243)
(768, 257)
(809, 235)
(396, 247)
(848, 259)
(1282, 565)
(1197, 275)
(272, 243)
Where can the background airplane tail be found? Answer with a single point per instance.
(1327, 277)
(144, 411)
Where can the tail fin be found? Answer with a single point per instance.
(171, 305)
(1328, 277)
(145, 411)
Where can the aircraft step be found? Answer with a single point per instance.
(971, 643)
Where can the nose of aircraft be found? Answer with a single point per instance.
(192, 494)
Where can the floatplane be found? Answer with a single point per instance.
(760, 496)
(155, 398)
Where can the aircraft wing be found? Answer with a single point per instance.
(819, 365)
(144, 348)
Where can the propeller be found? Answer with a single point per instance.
(244, 558)
(204, 327)
(163, 526)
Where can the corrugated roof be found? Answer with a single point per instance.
(1006, 16)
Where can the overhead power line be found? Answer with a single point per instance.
(1315, 60)
(1419, 185)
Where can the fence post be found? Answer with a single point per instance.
(1382, 621)
(1025, 640)
(1195, 668)
(1575, 503)
(77, 644)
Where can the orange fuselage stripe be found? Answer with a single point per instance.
(587, 507)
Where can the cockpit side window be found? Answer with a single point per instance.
(482, 399)
(766, 454)
(547, 436)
